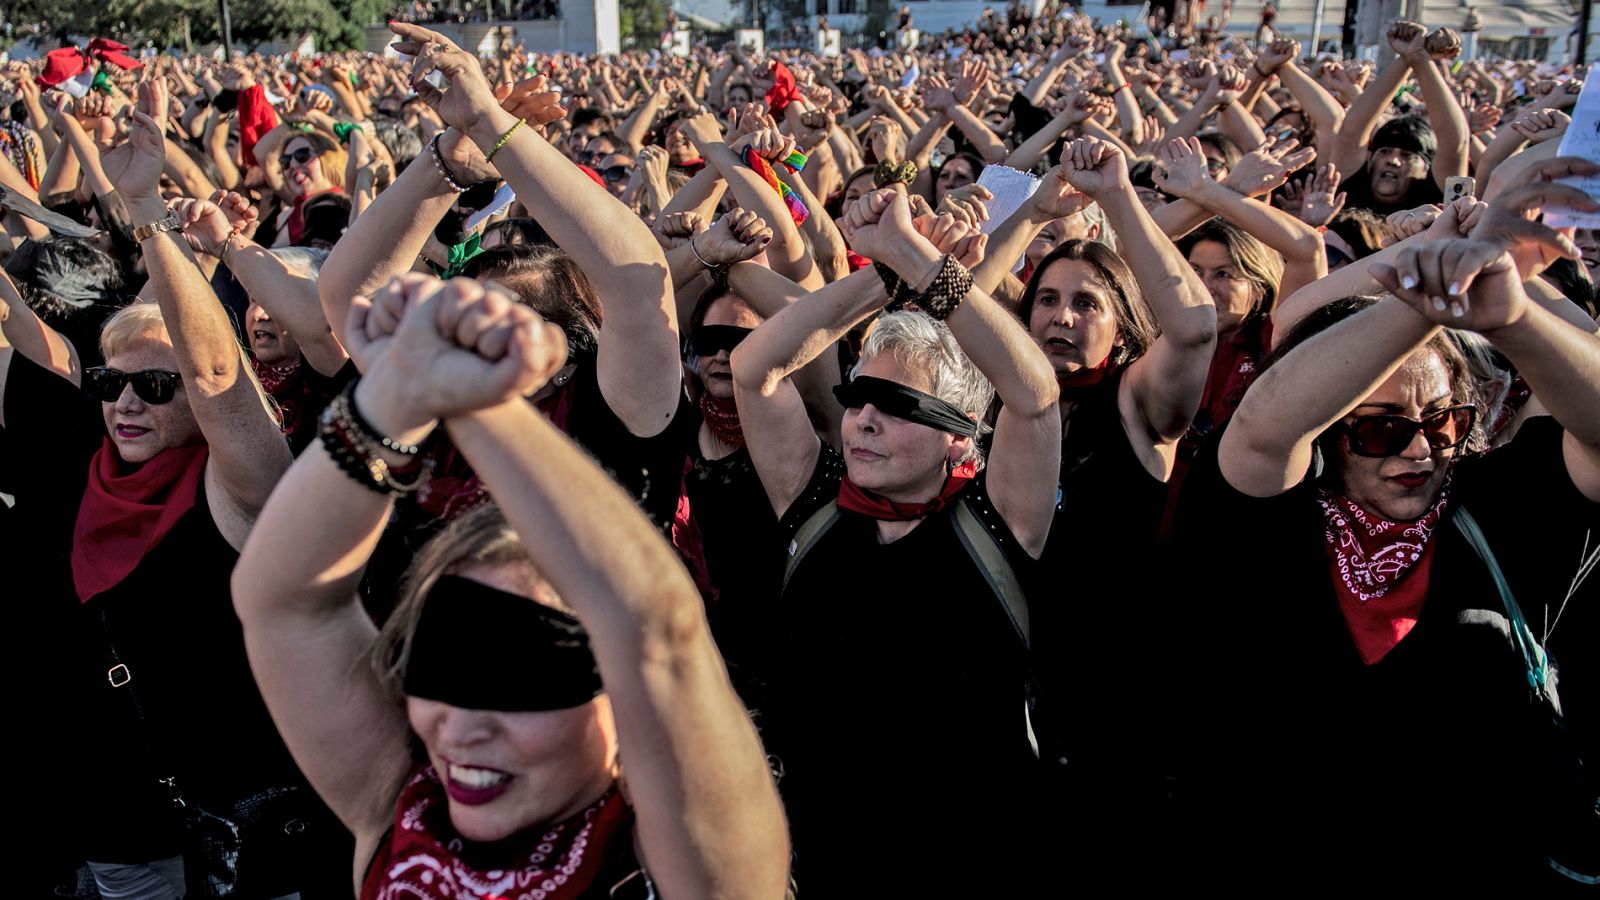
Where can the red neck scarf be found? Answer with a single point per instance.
(123, 516)
(454, 488)
(423, 859)
(1380, 571)
(857, 261)
(273, 378)
(722, 417)
(1081, 382)
(860, 500)
(1234, 368)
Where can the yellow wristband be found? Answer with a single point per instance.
(505, 137)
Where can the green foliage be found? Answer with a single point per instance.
(335, 24)
(642, 20)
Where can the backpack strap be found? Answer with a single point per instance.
(996, 569)
(1532, 654)
(807, 536)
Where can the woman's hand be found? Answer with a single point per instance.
(1409, 41)
(135, 166)
(205, 226)
(1265, 169)
(1320, 197)
(954, 236)
(1443, 44)
(737, 236)
(1276, 55)
(1540, 125)
(1056, 197)
(878, 226)
(466, 94)
(1182, 172)
(1461, 283)
(968, 202)
(432, 349)
(1511, 221)
(673, 230)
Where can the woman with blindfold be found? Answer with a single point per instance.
(134, 518)
(891, 642)
(1361, 612)
(545, 709)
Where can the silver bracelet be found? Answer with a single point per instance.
(438, 163)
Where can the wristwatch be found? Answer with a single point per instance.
(143, 232)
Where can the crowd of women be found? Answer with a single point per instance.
(646, 476)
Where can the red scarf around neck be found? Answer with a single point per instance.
(1380, 571)
(273, 378)
(1083, 381)
(123, 516)
(860, 500)
(424, 859)
(722, 417)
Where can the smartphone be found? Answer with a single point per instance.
(1458, 186)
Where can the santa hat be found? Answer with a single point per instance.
(74, 70)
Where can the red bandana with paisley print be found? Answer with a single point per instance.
(1380, 570)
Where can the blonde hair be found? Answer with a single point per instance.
(133, 324)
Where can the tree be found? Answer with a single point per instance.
(642, 20)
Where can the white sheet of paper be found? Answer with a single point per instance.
(1010, 188)
(502, 199)
(1582, 138)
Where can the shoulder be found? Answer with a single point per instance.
(821, 489)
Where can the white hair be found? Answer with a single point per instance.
(921, 344)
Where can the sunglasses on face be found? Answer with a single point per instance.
(299, 157)
(1387, 435)
(153, 386)
(1215, 165)
(617, 173)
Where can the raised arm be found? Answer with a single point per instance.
(1185, 175)
(28, 335)
(787, 252)
(1166, 383)
(248, 453)
(1349, 148)
(638, 365)
(783, 445)
(1444, 111)
(220, 227)
(1321, 110)
(708, 814)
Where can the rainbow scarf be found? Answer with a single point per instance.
(794, 162)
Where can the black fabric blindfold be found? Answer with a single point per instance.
(480, 648)
(904, 403)
(708, 339)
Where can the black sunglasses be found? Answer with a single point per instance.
(1386, 435)
(618, 173)
(301, 157)
(154, 386)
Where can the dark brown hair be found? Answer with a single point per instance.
(1136, 326)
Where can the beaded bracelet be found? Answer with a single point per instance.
(372, 433)
(358, 458)
(503, 138)
(947, 291)
(444, 172)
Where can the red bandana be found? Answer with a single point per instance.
(722, 417)
(860, 500)
(1082, 381)
(783, 90)
(1380, 571)
(273, 378)
(423, 858)
(123, 516)
(857, 261)
(297, 220)
(454, 488)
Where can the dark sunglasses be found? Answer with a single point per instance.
(299, 157)
(618, 173)
(154, 386)
(708, 340)
(1386, 435)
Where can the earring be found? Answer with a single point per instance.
(562, 378)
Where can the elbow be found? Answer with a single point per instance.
(753, 375)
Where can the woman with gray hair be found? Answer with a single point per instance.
(901, 623)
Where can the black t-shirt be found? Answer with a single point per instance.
(1422, 768)
(897, 705)
(743, 554)
(190, 709)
